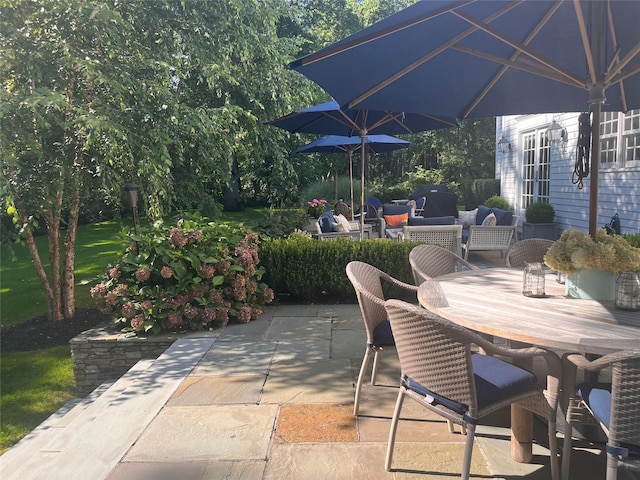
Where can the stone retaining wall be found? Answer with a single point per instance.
(102, 354)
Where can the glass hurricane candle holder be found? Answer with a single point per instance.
(533, 280)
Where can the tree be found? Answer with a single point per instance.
(163, 94)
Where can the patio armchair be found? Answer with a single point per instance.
(490, 237)
(440, 371)
(429, 261)
(367, 281)
(614, 406)
(446, 236)
(527, 251)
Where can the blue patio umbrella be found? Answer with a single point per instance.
(349, 145)
(329, 119)
(471, 59)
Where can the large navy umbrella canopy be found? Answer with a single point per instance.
(328, 119)
(339, 143)
(471, 59)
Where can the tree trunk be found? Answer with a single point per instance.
(232, 192)
(68, 278)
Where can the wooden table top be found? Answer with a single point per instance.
(491, 301)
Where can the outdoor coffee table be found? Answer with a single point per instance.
(490, 301)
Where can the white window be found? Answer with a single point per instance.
(620, 139)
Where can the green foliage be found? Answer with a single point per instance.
(193, 275)
(539, 212)
(327, 260)
(475, 191)
(496, 202)
(633, 239)
(280, 223)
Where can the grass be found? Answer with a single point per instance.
(21, 293)
(35, 384)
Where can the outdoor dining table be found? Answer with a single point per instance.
(490, 301)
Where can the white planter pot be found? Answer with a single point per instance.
(591, 283)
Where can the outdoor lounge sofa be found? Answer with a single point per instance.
(486, 229)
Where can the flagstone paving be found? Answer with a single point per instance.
(268, 400)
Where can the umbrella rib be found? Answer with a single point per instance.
(514, 57)
(585, 40)
(519, 46)
(349, 44)
(425, 58)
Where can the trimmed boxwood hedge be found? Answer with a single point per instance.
(308, 270)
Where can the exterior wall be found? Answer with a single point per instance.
(618, 190)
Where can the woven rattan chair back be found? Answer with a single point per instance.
(436, 354)
(623, 433)
(342, 208)
(430, 261)
(527, 251)
(367, 281)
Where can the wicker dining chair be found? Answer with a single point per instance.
(429, 261)
(528, 251)
(614, 406)
(440, 372)
(367, 281)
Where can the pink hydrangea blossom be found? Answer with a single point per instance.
(142, 274)
(166, 272)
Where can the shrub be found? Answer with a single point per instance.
(314, 271)
(190, 276)
(496, 202)
(539, 212)
(281, 223)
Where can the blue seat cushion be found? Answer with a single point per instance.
(396, 209)
(449, 220)
(496, 379)
(326, 222)
(382, 334)
(503, 217)
(598, 397)
(482, 214)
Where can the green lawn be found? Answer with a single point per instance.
(21, 294)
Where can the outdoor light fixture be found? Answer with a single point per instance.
(132, 196)
(504, 145)
(556, 132)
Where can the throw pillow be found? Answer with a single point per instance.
(396, 220)
(432, 221)
(489, 220)
(482, 214)
(343, 223)
(503, 217)
(326, 220)
(467, 217)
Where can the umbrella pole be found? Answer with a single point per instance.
(595, 170)
(351, 182)
(363, 138)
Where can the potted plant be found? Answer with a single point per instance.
(539, 221)
(591, 266)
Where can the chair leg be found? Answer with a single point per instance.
(612, 467)
(374, 369)
(566, 450)
(553, 451)
(363, 369)
(392, 429)
(468, 451)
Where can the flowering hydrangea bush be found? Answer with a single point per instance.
(316, 207)
(191, 276)
(576, 250)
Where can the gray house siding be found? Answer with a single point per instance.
(618, 190)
